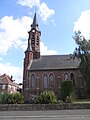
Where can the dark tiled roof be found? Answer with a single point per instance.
(54, 62)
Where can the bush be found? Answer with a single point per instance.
(67, 91)
(17, 98)
(13, 98)
(5, 98)
(47, 97)
(71, 98)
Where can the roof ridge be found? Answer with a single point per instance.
(56, 55)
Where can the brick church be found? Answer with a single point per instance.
(46, 72)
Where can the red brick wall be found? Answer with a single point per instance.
(59, 77)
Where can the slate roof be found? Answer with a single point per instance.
(54, 62)
(34, 25)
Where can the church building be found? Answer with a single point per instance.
(46, 72)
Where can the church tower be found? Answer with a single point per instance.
(34, 35)
(32, 52)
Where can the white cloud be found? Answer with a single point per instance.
(83, 24)
(44, 11)
(9, 69)
(29, 3)
(13, 32)
(45, 51)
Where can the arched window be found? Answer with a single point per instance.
(32, 81)
(45, 81)
(66, 76)
(33, 40)
(72, 77)
(51, 80)
(37, 40)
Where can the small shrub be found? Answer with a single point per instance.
(47, 97)
(67, 90)
(5, 98)
(13, 98)
(17, 98)
(59, 101)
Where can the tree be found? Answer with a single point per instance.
(66, 89)
(83, 52)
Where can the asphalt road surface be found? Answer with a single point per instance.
(46, 115)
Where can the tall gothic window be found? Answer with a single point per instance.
(38, 82)
(66, 76)
(32, 81)
(45, 81)
(72, 77)
(51, 80)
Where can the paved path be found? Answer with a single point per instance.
(46, 115)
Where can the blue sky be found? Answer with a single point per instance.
(57, 21)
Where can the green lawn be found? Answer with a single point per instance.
(82, 101)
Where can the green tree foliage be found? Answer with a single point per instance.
(83, 52)
(17, 98)
(5, 98)
(14, 98)
(47, 97)
(67, 90)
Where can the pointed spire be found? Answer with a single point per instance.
(35, 23)
(35, 20)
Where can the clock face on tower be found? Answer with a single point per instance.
(33, 30)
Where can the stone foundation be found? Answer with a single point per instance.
(36, 107)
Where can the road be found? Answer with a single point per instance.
(46, 115)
